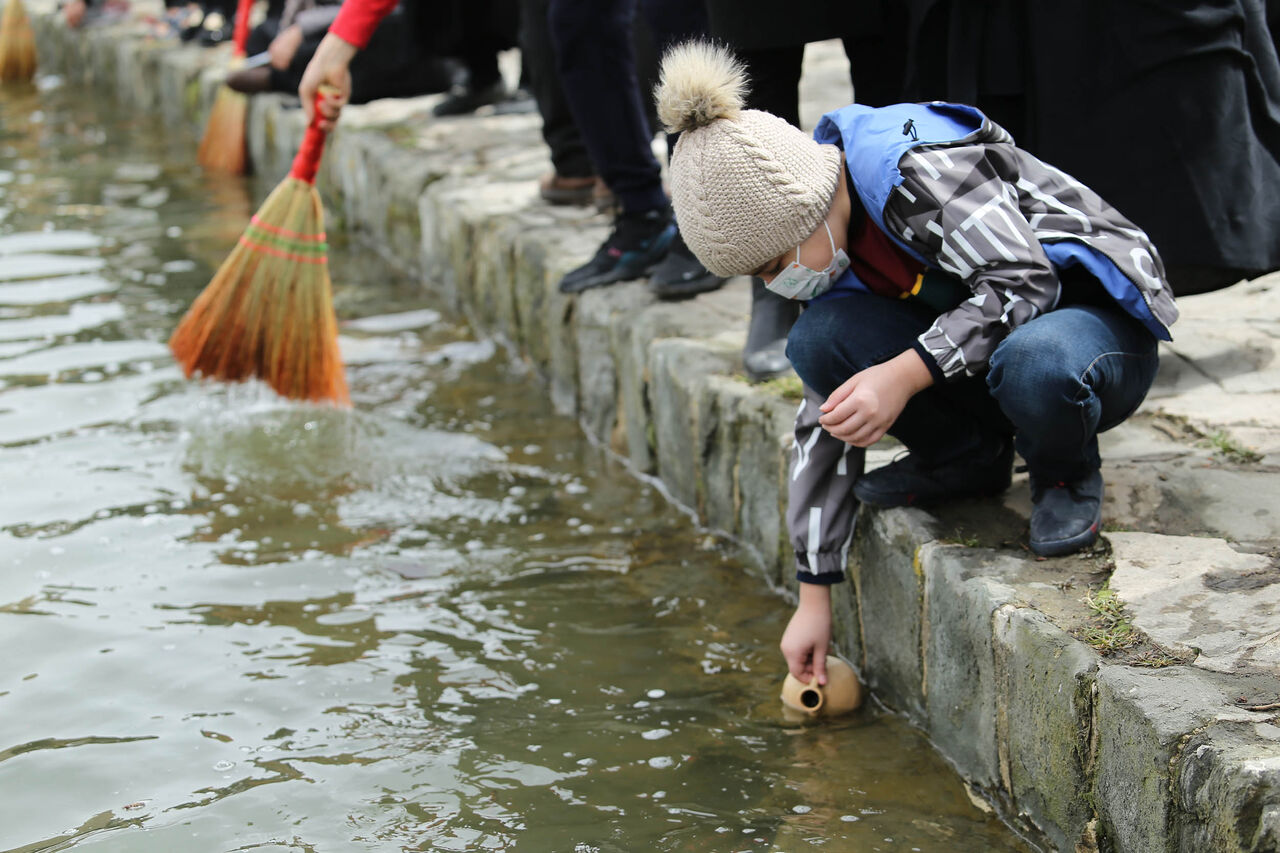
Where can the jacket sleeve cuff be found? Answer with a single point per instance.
(930, 362)
(829, 569)
(357, 19)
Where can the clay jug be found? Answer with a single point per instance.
(841, 694)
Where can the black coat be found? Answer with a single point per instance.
(763, 24)
(1169, 109)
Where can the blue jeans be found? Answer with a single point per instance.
(1054, 382)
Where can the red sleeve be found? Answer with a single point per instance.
(359, 18)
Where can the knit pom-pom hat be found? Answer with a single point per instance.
(746, 186)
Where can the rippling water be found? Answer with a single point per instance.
(441, 621)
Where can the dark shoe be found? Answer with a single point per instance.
(519, 102)
(638, 241)
(772, 316)
(906, 482)
(680, 275)
(468, 100)
(1065, 517)
(556, 188)
(250, 81)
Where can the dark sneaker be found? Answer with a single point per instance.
(519, 102)
(905, 482)
(468, 100)
(680, 275)
(1065, 517)
(638, 241)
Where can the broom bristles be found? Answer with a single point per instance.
(222, 148)
(17, 44)
(268, 312)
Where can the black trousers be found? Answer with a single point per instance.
(595, 56)
(559, 130)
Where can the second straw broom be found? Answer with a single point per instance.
(268, 312)
(223, 147)
(17, 44)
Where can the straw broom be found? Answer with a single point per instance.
(17, 44)
(268, 312)
(223, 148)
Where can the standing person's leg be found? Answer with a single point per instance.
(878, 56)
(483, 23)
(596, 60)
(775, 80)
(574, 175)
(958, 441)
(1061, 379)
(775, 88)
(679, 275)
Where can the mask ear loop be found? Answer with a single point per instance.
(830, 237)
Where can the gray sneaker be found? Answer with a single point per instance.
(1065, 517)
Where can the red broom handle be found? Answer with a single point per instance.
(308, 159)
(240, 33)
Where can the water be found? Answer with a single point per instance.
(442, 621)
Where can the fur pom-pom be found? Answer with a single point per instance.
(699, 83)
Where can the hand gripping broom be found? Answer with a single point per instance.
(268, 312)
(17, 44)
(222, 148)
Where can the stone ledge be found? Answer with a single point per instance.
(1080, 754)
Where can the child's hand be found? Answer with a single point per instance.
(861, 410)
(808, 635)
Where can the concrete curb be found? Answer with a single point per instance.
(1077, 753)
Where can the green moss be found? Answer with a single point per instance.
(959, 537)
(1154, 659)
(1225, 444)
(788, 387)
(1109, 629)
(191, 97)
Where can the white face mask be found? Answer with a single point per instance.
(800, 282)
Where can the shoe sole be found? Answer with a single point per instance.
(567, 197)
(685, 289)
(891, 502)
(1070, 545)
(626, 269)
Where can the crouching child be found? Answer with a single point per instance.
(960, 295)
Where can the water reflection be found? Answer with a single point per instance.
(440, 621)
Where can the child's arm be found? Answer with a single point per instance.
(862, 409)
(820, 501)
(820, 514)
(808, 635)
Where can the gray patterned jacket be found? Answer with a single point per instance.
(951, 188)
